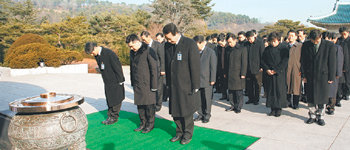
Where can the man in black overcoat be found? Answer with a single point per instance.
(221, 84)
(344, 42)
(236, 70)
(318, 69)
(255, 48)
(113, 78)
(159, 50)
(144, 76)
(183, 79)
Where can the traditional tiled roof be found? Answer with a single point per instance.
(339, 16)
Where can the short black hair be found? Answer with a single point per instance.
(131, 38)
(208, 38)
(273, 36)
(343, 29)
(241, 33)
(214, 35)
(170, 28)
(145, 33)
(315, 34)
(301, 30)
(160, 34)
(221, 37)
(89, 47)
(230, 35)
(332, 35)
(198, 38)
(254, 31)
(325, 34)
(249, 34)
(291, 31)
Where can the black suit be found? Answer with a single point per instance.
(182, 63)
(221, 80)
(159, 50)
(254, 77)
(112, 75)
(344, 82)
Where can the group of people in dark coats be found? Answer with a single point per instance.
(187, 70)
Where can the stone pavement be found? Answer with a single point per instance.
(283, 133)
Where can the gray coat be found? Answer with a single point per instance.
(144, 75)
(208, 67)
(237, 62)
(159, 50)
(182, 69)
(339, 72)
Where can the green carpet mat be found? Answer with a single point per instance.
(120, 136)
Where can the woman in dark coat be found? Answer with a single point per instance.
(275, 61)
(144, 76)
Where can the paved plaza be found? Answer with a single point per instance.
(281, 133)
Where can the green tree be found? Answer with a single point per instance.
(282, 26)
(180, 12)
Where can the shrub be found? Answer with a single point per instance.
(27, 39)
(28, 56)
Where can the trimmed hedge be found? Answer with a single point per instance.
(30, 54)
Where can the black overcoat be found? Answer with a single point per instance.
(318, 68)
(144, 75)
(182, 76)
(237, 61)
(112, 75)
(276, 58)
(255, 51)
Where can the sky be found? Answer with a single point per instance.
(268, 10)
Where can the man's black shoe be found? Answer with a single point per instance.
(205, 120)
(330, 112)
(321, 122)
(338, 104)
(109, 121)
(139, 128)
(272, 113)
(290, 105)
(230, 109)
(146, 130)
(237, 111)
(256, 103)
(278, 113)
(175, 138)
(185, 141)
(295, 107)
(248, 102)
(310, 121)
(197, 119)
(158, 108)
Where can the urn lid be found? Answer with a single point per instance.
(46, 102)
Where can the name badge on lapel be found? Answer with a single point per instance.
(179, 56)
(102, 66)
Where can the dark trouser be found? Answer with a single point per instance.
(205, 103)
(331, 104)
(184, 126)
(160, 92)
(236, 99)
(113, 112)
(296, 99)
(316, 111)
(346, 87)
(222, 85)
(147, 115)
(254, 82)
